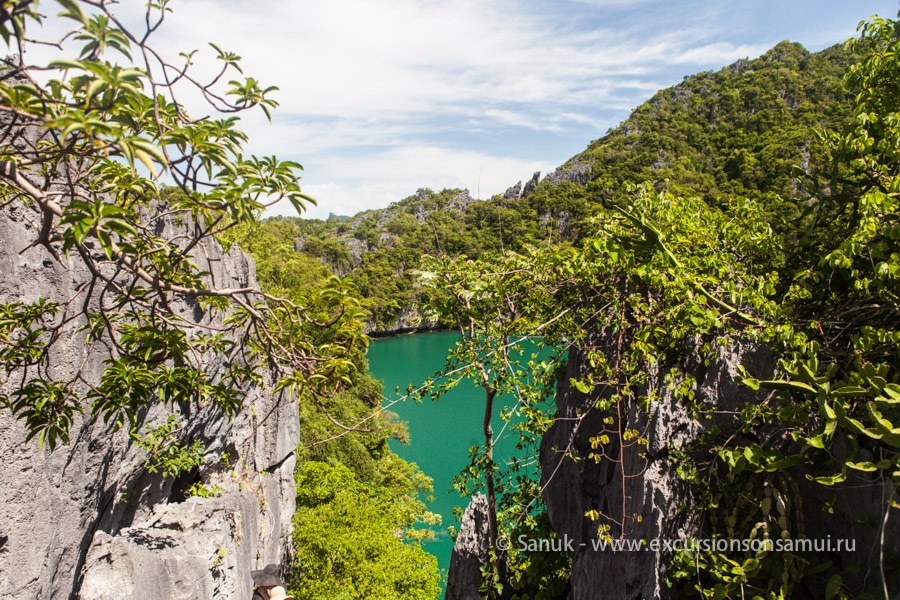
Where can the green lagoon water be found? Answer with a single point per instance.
(441, 432)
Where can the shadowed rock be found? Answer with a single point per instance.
(469, 553)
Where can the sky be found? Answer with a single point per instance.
(379, 98)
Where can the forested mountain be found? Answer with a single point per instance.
(738, 132)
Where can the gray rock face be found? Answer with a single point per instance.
(459, 202)
(356, 248)
(514, 192)
(87, 521)
(560, 221)
(469, 552)
(657, 502)
(574, 171)
(201, 552)
(519, 191)
(532, 183)
(409, 320)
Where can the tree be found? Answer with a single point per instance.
(349, 537)
(842, 344)
(501, 306)
(87, 142)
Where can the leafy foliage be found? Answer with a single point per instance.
(349, 540)
(361, 514)
(165, 454)
(85, 147)
(375, 522)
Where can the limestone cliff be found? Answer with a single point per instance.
(87, 520)
(470, 551)
(660, 505)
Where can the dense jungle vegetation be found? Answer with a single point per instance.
(731, 244)
(359, 506)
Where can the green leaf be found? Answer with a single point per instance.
(816, 442)
(833, 587)
(865, 466)
(73, 11)
(582, 386)
(830, 480)
(786, 385)
(848, 391)
(66, 63)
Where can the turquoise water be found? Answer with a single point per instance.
(441, 432)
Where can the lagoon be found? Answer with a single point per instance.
(441, 432)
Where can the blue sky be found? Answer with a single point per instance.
(382, 97)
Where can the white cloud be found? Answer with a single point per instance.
(357, 59)
(718, 53)
(371, 91)
(364, 68)
(517, 119)
(381, 98)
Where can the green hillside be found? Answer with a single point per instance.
(738, 132)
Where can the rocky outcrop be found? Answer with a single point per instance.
(518, 191)
(514, 192)
(575, 171)
(532, 183)
(409, 320)
(470, 552)
(356, 248)
(459, 202)
(87, 520)
(196, 549)
(647, 494)
(652, 489)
